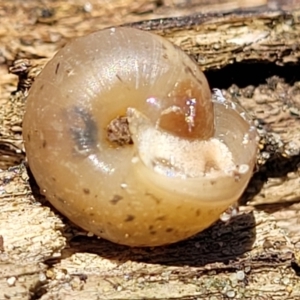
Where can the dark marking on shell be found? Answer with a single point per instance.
(116, 199)
(100, 231)
(57, 68)
(44, 143)
(156, 199)
(86, 191)
(60, 199)
(119, 77)
(69, 71)
(129, 218)
(188, 69)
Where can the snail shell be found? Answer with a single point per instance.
(188, 156)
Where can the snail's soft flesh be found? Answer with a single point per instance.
(190, 159)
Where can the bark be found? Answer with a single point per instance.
(255, 255)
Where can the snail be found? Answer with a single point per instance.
(125, 138)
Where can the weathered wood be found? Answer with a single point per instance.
(218, 40)
(255, 256)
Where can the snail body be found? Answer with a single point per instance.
(180, 157)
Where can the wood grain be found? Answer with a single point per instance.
(255, 255)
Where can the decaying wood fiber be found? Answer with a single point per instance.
(255, 255)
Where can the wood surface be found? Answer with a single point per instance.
(256, 254)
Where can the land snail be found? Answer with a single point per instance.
(124, 138)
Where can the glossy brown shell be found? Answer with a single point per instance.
(134, 194)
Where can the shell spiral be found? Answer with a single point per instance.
(189, 156)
